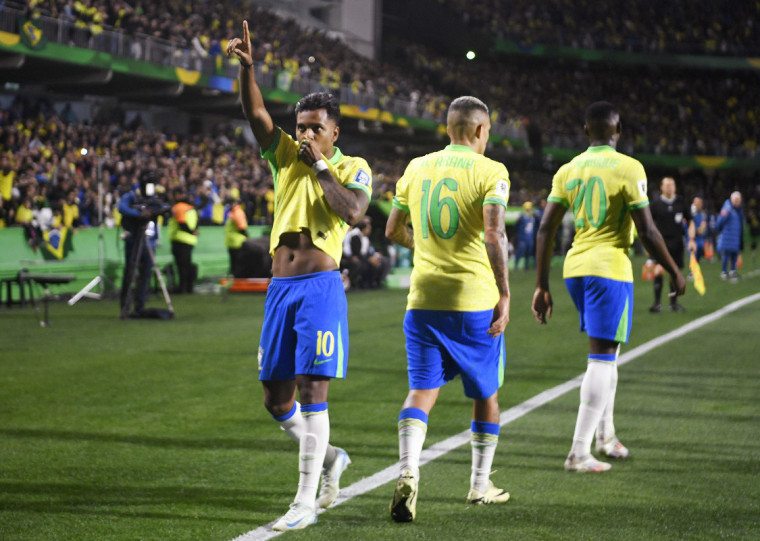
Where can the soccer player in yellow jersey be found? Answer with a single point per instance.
(319, 194)
(458, 303)
(607, 193)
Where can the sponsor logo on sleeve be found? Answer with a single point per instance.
(502, 188)
(362, 177)
(643, 187)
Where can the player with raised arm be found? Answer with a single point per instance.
(319, 194)
(607, 193)
(458, 304)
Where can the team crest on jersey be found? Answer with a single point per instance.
(502, 188)
(362, 177)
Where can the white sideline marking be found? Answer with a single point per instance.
(439, 449)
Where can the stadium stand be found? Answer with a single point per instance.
(686, 111)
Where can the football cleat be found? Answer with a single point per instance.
(612, 448)
(404, 504)
(491, 495)
(586, 464)
(331, 479)
(298, 517)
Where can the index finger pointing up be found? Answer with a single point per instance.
(246, 36)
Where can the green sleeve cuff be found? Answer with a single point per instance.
(269, 152)
(400, 206)
(555, 199)
(362, 187)
(495, 201)
(639, 205)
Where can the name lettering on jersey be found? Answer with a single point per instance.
(456, 162)
(502, 188)
(643, 187)
(605, 163)
(362, 177)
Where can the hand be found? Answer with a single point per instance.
(692, 245)
(500, 317)
(680, 283)
(241, 47)
(542, 305)
(308, 152)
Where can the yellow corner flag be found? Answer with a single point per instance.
(696, 272)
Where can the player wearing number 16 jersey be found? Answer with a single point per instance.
(458, 303)
(607, 193)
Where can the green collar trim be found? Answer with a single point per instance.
(336, 157)
(600, 148)
(459, 148)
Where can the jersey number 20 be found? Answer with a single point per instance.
(587, 193)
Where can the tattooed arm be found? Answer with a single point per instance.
(495, 239)
(397, 230)
(350, 205)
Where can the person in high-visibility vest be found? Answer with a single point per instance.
(183, 234)
(235, 234)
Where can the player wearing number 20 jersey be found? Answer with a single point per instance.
(601, 187)
(444, 194)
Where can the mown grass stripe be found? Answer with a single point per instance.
(439, 449)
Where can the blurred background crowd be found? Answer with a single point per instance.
(52, 157)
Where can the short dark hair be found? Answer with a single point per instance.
(600, 112)
(467, 104)
(320, 100)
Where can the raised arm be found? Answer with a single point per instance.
(654, 244)
(495, 239)
(250, 94)
(542, 299)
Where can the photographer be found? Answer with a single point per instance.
(138, 219)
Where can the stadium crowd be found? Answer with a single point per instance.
(42, 145)
(703, 28)
(51, 160)
(666, 111)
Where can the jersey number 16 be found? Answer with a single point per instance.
(432, 205)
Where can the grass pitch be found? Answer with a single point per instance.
(150, 429)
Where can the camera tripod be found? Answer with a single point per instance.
(101, 278)
(133, 278)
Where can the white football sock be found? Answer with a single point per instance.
(595, 390)
(606, 428)
(412, 429)
(484, 437)
(312, 449)
(294, 425)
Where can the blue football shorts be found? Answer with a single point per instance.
(441, 344)
(605, 306)
(305, 328)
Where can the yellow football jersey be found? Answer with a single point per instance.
(444, 193)
(299, 201)
(600, 187)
